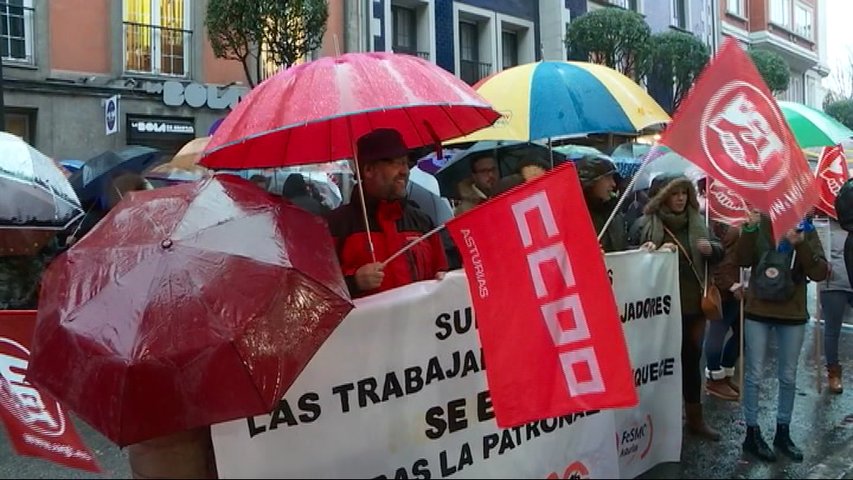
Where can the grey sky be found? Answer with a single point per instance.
(839, 38)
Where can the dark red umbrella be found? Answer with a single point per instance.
(186, 306)
(314, 112)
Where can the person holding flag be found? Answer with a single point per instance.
(383, 162)
(836, 299)
(672, 217)
(836, 295)
(776, 302)
(598, 178)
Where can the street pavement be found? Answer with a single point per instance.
(822, 427)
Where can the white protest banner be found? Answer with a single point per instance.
(647, 293)
(398, 391)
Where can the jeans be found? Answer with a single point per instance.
(717, 355)
(789, 342)
(834, 304)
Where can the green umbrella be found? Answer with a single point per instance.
(813, 128)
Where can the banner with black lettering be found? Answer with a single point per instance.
(651, 318)
(399, 391)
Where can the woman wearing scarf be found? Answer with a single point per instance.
(672, 218)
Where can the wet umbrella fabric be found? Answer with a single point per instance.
(93, 178)
(186, 306)
(34, 191)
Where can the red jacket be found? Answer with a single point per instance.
(393, 224)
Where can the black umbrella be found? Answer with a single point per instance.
(508, 155)
(93, 178)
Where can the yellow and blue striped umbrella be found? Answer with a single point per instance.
(554, 99)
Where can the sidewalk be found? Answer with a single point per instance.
(822, 427)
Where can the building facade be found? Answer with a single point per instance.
(795, 29)
(75, 69)
(472, 39)
(64, 60)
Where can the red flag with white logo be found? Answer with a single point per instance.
(725, 205)
(546, 313)
(831, 175)
(731, 127)
(37, 425)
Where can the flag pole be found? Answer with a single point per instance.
(412, 244)
(818, 335)
(741, 386)
(627, 191)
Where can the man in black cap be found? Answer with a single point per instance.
(597, 175)
(383, 163)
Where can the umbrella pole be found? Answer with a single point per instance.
(363, 205)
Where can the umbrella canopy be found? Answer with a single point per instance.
(813, 128)
(507, 154)
(431, 162)
(71, 165)
(34, 191)
(575, 152)
(557, 99)
(170, 174)
(166, 317)
(631, 150)
(315, 112)
(93, 178)
(663, 161)
(189, 155)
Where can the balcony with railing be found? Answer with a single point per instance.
(16, 36)
(411, 51)
(472, 72)
(157, 50)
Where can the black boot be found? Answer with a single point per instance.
(783, 442)
(754, 444)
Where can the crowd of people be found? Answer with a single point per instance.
(668, 216)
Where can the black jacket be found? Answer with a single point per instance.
(844, 209)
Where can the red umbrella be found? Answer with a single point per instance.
(186, 306)
(314, 112)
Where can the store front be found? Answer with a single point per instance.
(165, 133)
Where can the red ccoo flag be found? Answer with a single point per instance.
(731, 127)
(831, 174)
(546, 313)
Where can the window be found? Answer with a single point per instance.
(509, 44)
(469, 48)
(16, 35)
(21, 122)
(736, 7)
(157, 39)
(803, 21)
(471, 70)
(795, 88)
(679, 14)
(626, 4)
(811, 92)
(780, 12)
(404, 35)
